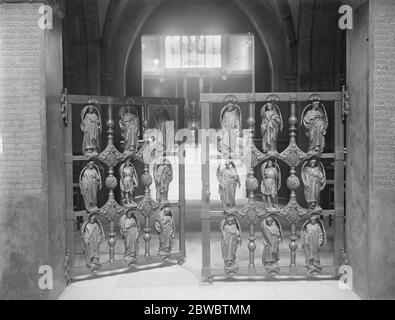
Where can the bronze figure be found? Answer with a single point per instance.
(166, 228)
(130, 231)
(272, 124)
(228, 179)
(128, 182)
(271, 182)
(92, 236)
(161, 117)
(313, 238)
(271, 236)
(230, 241)
(315, 121)
(163, 175)
(91, 126)
(231, 123)
(130, 125)
(90, 182)
(314, 179)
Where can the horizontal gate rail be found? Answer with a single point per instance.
(304, 221)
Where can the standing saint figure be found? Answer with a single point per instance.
(272, 124)
(130, 125)
(230, 241)
(271, 182)
(90, 182)
(163, 175)
(92, 236)
(128, 182)
(130, 231)
(230, 119)
(315, 121)
(228, 179)
(314, 179)
(161, 117)
(91, 126)
(271, 236)
(166, 228)
(313, 237)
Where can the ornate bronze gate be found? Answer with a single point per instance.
(113, 208)
(309, 212)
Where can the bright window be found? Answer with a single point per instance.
(186, 52)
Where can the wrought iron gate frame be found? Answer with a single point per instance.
(293, 213)
(111, 156)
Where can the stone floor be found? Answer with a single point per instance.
(184, 282)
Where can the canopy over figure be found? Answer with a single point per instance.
(166, 228)
(271, 236)
(313, 238)
(90, 182)
(130, 231)
(91, 126)
(272, 124)
(230, 241)
(315, 120)
(128, 182)
(163, 176)
(161, 117)
(230, 119)
(314, 180)
(271, 182)
(92, 236)
(228, 179)
(130, 125)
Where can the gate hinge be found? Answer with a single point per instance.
(64, 106)
(345, 102)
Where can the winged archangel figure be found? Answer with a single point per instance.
(272, 124)
(315, 120)
(228, 179)
(314, 180)
(128, 182)
(91, 126)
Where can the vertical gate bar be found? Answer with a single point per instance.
(251, 246)
(181, 197)
(69, 203)
(110, 176)
(339, 184)
(147, 236)
(205, 205)
(292, 245)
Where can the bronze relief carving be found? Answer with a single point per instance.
(314, 180)
(272, 124)
(130, 230)
(229, 180)
(271, 182)
(230, 241)
(272, 236)
(91, 126)
(166, 228)
(231, 123)
(92, 235)
(90, 182)
(163, 176)
(315, 120)
(130, 125)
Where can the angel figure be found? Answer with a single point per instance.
(272, 124)
(228, 179)
(230, 118)
(128, 182)
(92, 236)
(313, 237)
(166, 228)
(130, 125)
(315, 121)
(163, 175)
(230, 241)
(314, 180)
(272, 236)
(91, 126)
(161, 117)
(90, 182)
(271, 182)
(130, 231)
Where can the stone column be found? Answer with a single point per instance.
(31, 152)
(370, 198)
